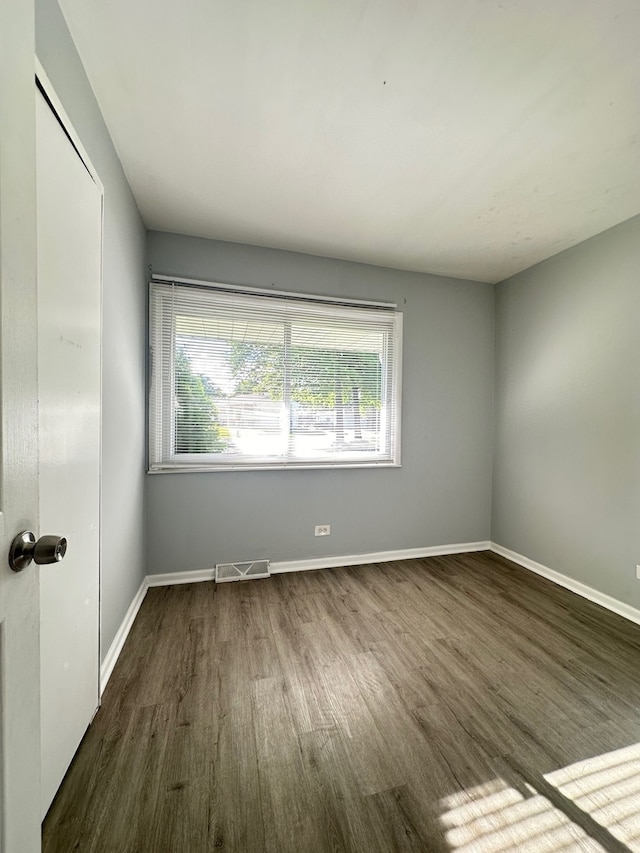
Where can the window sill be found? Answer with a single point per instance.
(301, 466)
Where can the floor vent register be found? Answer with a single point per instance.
(242, 571)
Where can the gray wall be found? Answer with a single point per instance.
(442, 493)
(124, 320)
(567, 447)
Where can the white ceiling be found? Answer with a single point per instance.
(463, 137)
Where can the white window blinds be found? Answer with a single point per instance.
(240, 380)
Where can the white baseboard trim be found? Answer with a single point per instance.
(606, 601)
(376, 557)
(121, 635)
(174, 578)
(307, 565)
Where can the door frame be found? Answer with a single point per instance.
(43, 83)
(65, 121)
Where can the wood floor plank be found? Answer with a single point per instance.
(453, 703)
(125, 821)
(337, 804)
(236, 806)
(280, 770)
(405, 825)
(375, 768)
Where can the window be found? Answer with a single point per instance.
(242, 380)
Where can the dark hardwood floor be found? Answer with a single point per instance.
(445, 704)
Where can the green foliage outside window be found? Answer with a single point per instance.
(197, 429)
(328, 379)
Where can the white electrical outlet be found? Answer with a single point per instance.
(638, 572)
(323, 530)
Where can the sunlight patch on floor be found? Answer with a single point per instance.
(606, 787)
(497, 817)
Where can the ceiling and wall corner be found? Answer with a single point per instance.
(466, 138)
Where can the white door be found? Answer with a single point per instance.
(19, 646)
(69, 273)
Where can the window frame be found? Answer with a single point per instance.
(170, 462)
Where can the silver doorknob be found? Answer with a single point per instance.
(24, 549)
